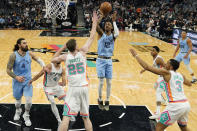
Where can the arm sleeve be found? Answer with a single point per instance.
(116, 31)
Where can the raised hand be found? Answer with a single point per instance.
(114, 15)
(94, 17)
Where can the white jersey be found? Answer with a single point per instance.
(76, 70)
(174, 89)
(155, 64)
(52, 79)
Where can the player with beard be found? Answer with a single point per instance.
(20, 62)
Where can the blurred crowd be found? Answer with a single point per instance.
(25, 14)
(155, 17)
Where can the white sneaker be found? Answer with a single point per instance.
(155, 116)
(17, 114)
(26, 119)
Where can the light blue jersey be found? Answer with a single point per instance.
(183, 46)
(106, 45)
(22, 67)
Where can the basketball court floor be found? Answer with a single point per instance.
(132, 98)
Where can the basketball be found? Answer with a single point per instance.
(106, 8)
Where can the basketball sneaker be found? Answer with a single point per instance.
(194, 81)
(100, 105)
(106, 107)
(26, 119)
(17, 114)
(155, 116)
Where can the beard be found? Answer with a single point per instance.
(25, 49)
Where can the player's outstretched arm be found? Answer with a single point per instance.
(116, 31)
(38, 60)
(147, 67)
(63, 83)
(177, 48)
(90, 40)
(98, 28)
(186, 81)
(36, 77)
(58, 57)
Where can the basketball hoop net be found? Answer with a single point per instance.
(56, 8)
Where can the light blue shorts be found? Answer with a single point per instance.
(20, 89)
(180, 58)
(104, 68)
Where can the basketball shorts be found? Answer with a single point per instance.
(175, 112)
(77, 100)
(180, 58)
(20, 89)
(104, 68)
(57, 91)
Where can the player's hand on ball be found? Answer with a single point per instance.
(20, 78)
(133, 52)
(114, 15)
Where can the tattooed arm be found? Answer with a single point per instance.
(10, 66)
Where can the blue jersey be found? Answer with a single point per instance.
(106, 45)
(183, 45)
(22, 65)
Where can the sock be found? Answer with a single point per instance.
(158, 109)
(18, 104)
(108, 89)
(54, 107)
(28, 105)
(101, 81)
(55, 111)
(193, 77)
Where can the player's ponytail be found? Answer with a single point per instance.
(16, 47)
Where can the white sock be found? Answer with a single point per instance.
(193, 77)
(55, 111)
(108, 89)
(28, 105)
(158, 109)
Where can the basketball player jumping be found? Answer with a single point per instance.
(77, 99)
(20, 62)
(52, 86)
(185, 45)
(104, 61)
(158, 62)
(178, 107)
